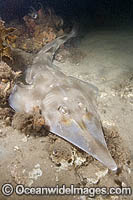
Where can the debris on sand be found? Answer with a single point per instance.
(7, 80)
(7, 40)
(30, 123)
(115, 145)
(6, 114)
(61, 154)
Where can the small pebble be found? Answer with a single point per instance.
(25, 139)
(16, 148)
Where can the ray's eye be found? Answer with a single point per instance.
(63, 110)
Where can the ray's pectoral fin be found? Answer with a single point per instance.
(21, 99)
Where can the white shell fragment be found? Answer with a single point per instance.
(67, 103)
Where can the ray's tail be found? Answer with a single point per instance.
(55, 44)
(49, 50)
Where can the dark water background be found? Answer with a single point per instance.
(71, 9)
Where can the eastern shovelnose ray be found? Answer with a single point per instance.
(67, 104)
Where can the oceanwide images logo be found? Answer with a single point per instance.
(7, 190)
